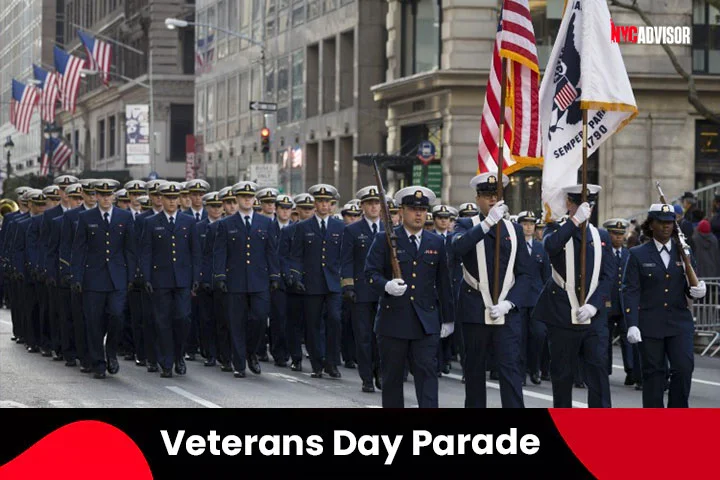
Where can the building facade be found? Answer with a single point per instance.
(152, 68)
(27, 33)
(438, 58)
(321, 58)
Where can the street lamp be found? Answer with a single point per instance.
(9, 145)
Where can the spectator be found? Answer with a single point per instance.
(689, 204)
(686, 226)
(715, 220)
(707, 253)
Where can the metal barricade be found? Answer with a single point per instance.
(706, 314)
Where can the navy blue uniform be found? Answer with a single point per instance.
(246, 260)
(202, 215)
(141, 308)
(67, 237)
(505, 340)
(654, 300)
(409, 325)
(356, 242)
(63, 297)
(15, 293)
(170, 261)
(294, 319)
(196, 339)
(534, 331)
(278, 308)
(616, 317)
(567, 341)
(25, 251)
(315, 259)
(103, 262)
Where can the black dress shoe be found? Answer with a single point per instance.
(378, 382)
(296, 366)
(13, 338)
(166, 373)
(86, 369)
(638, 386)
(180, 367)
(535, 378)
(20, 340)
(316, 374)
(153, 368)
(350, 364)
(579, 384)
(263, 358)
(226, 368)
(446, 368)
(33, 349)
(45, 353)
(281, 363)
(545, 377)
(71, 363)
(367, 387)
(141, 363)
(629, 380)
(99, 375)
(333, 371)
(190, 357)
(239, 374)
(210, 362)
(129, 357)
(58, 357)
(253, 365)
(113, 366)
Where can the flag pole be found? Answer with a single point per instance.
(500, 161)
(583, 245)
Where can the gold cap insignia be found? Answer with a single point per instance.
(665, 208)
(418, 194)
(492, 179)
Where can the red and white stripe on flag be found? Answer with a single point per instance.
(70, 83)
(61, 155)
(45, 167)
(49, 97)
(515, 41)
(21, 112)
(101, 55)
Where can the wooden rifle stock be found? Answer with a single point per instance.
(390, 236)
(679, 240)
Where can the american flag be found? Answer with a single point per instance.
(99, 53)
(50, 93)
(68, 66)
(204, 54)
(566, 95)
(22, 103)
(515, 41)
(57, 153)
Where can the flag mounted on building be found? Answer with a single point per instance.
(50, 92)
(22, 103)
(68, 66)
(585, 72)
(99, 53)
(515, 42)
(57, 154)
(204, 54)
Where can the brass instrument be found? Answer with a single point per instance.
(7, 206)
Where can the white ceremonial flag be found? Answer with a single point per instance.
(585, 71)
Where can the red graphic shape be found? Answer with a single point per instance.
(81, 450)
(648, 443)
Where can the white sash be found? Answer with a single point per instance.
(569, 284)
(483, 286)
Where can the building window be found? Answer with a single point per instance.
(270, 19)
(283, 89)
(270, 82)
(181, 125)
(421, 20)
(233, 97)
(329, 5)
(313, 9)
(112, 136)
(706, 38)
(546, 18)
(101, 139)
(298, 87)
(298, 13)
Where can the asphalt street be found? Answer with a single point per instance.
(30, 380)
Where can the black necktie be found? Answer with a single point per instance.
(374, 228)
(413, 245)
(247, 223)
(322, 227)
(618, 254)
(172, 221)
(197, 217)
(107, 218)
(529, 244)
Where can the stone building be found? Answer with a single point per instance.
(438, 57)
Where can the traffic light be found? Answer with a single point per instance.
(265, 139)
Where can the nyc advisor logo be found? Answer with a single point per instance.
(644, 35)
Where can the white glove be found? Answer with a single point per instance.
(633, 335)
(699, 290)
(585, 313)
(396, 287)
(496, 213)
(501, 309)
(447, 329)
(583, 213)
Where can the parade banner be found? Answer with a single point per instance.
(137, 134)
(143, 444)
(585, 72)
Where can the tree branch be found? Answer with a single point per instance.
(693, 97)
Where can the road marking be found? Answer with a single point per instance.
(373, 406)
(289, 378)
(193, 397)
(11, 404)
(527, 393)
(696, 380)
(59, 403)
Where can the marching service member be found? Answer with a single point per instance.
(413, 310)
(170, 264)
(488, 324)
(212, 204)
(359, 294)
(245, 266)
(315, 260)
(575, 329)
(196, 190)
(655, 302)
(103, 263)
(442, 215)
(267, 198)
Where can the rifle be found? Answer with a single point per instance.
(682, 246)
(390, 235)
